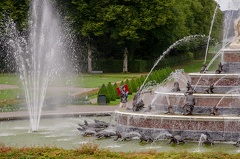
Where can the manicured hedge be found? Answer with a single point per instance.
(133, 84)
(137, 66)
(115, 66)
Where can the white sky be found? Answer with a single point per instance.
(229, 4)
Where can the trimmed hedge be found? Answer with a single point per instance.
(115, 66)
(137, 66)
(134, 84)
(108, 66)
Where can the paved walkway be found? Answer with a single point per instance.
(69, 110)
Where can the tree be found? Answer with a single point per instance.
(127, 21)
(18, 12)
(140, 29)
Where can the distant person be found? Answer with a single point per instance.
(123, 98)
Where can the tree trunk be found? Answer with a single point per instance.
(125, 60)
(89, 58)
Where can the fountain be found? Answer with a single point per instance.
(42, 56)
(215, 112)
(215, 106)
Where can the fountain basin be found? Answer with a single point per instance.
(231, 55)
(229, 80)
(225, 103)
(220, 128)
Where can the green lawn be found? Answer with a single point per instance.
(93, 81)
(96, 80)
(196, 65)
(12, 79)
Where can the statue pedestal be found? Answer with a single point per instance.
(231, 60)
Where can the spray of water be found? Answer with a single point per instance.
(41, 56)
(210, 32)
(185, 39)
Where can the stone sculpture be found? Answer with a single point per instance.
(203, 69)
(189, 87)
(137, 103)
(236, 41)
(176, 139)
(237, 143)
(189, 103)
(220, 68)
(127, 135)
(176, 87)
(214, 111)
(105, 134)
(170, 110)
(146, 138)
(210, 89)
(207, 140)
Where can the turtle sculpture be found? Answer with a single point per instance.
(146, 138)
(127, 135)
(106, 134)
(95, 124)
(89, 132)
(102, 123)
(91, 129)
(237, 143)
(176, 139)
(207, 140)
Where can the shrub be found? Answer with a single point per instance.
(134, 85)
(116, 93)
(129, 87)
(111, 92)
(104, 91)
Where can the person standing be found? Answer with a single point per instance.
(123, 98)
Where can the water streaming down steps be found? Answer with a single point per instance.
(222, 126)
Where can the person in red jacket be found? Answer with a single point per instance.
(123, 97)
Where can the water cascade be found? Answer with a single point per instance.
(41, 56)
(214, 97)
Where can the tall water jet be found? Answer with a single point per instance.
(41, 55)
(177, 43)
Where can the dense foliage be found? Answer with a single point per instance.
(92, 151)
(145, 27)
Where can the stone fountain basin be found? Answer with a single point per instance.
(223, 79)
(220, 128)
(227, 104)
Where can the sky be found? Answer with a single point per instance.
(229, 4)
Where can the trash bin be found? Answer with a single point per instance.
(101, 99)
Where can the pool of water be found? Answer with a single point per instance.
(63, 133)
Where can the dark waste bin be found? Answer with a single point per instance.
(101, 99)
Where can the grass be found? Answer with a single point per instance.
(88, 151)
(94, 81)
(12, 79)
(196, 65)
(9, 94)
